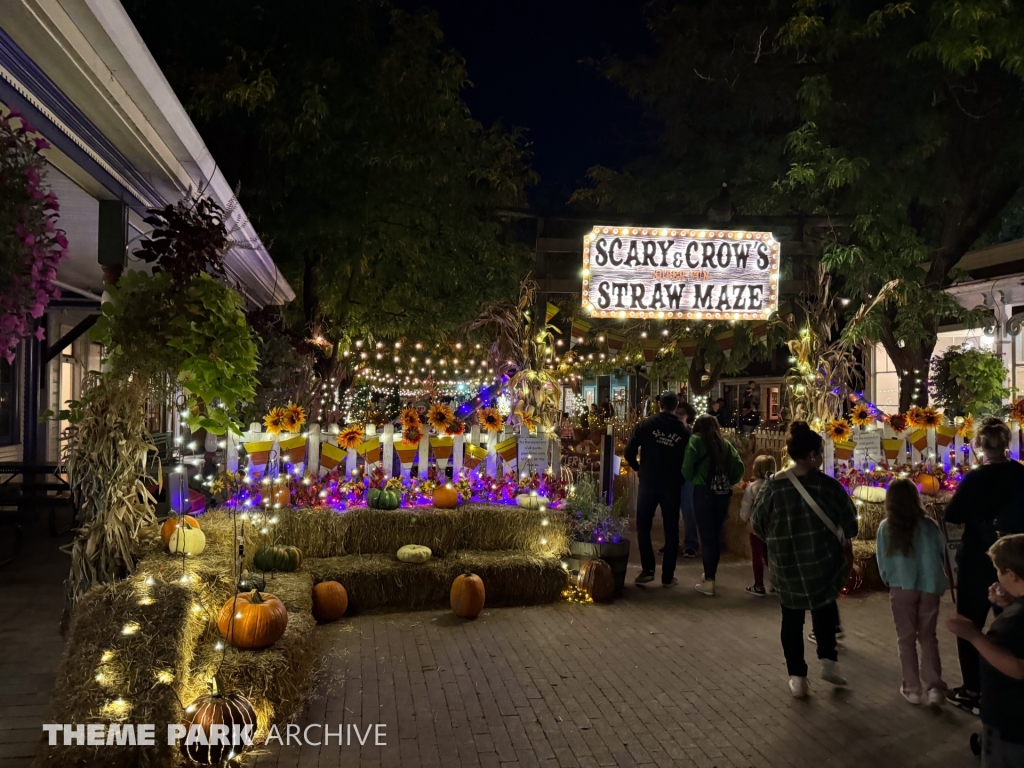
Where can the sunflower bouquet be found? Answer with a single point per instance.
(899, 423)
(931, 417)
(965, 427)
(862, 416)
(838, 430)
(275, 421)
(455, 428)
(411, 419)
(490, 419)
(915, 417)
(1017, 411)
(351, 437)
(439, 416)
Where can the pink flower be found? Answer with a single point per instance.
(40, 333)
(42, 144)
(37, 309)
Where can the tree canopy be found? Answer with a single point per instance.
(901, 120)
(376, 191)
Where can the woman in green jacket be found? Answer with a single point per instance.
(714, 467)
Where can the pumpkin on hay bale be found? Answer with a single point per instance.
(277, 557)
(218, 708)
(171, 524)
(252, 621)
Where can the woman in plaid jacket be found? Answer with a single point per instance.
(807, 555)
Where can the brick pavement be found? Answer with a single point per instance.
(660, 678)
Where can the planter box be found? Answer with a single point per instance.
(616, 555)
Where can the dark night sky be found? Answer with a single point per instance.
(526, 61)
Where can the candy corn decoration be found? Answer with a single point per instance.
(293, 451)
(893, 448)
(944, 435)
(330, 457)
(474, 454)
(442, 448)
(844, 449)
(919, 439)
(406, 454)
(370, 451)
(509, 452)
(259, 452)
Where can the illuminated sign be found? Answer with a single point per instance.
(692, 274)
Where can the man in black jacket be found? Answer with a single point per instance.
(661, 441)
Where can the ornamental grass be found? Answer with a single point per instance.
(870, 515)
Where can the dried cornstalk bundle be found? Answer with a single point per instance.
(108, 447)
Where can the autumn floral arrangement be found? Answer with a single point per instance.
(31, 246)
(287, 419)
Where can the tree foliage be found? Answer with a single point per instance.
(902, 120)
(969, 381)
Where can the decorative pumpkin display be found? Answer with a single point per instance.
(927, 484)
(414, 553)
(467, 596)
(282, 495)
(597, 580)
(445, 497)
(530, 501)
(250, 581)
(330, 601)
(380, 498)
(252, 621)
(277, 557)
(218, 708)
(171, 525)
(190, 541)
(871, 493)
(855, 580)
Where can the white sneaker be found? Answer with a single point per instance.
(937, 697)
(798, 687)
(830, 672)
(706, 588)
(910, 696)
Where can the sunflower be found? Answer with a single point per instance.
(411, 419)
(966, 427)
(898, 422)
(490, 419)
(931, 418)
(861, 416)
(439, 417)
(276, 421)
(296, 417)
(1017, 412)
(915, 417)
(526, 420)
(412, 435)
(455, 428)
(351, 436)
(838, 430)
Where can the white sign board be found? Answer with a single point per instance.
(680, 273)
(533, 453)
(869, 447)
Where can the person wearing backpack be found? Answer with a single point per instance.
(807, 520)
(714, 467)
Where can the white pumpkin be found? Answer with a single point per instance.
(191, 541)
(869, 493)
(529, 501)
(414, 553)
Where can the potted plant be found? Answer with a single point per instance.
(598, 530)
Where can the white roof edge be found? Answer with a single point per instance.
(249, 264)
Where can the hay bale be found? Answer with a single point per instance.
(317, 532)
(870, 515)
(735, 536)
(383, 532)
(864, 556)
(499, 527)
(381, 581)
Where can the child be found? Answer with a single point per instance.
(1002, 658)
(910, 560)
(764, 467)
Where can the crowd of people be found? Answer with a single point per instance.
(801, 522)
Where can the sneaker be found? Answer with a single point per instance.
(936, 697)
(839, 633)
(706, 588)
(910, 696)
(810, 635)
(756, 591)
(689, 554)
(969, 701)
(670, 583)
(645, 577)
(830, 672)
(798, 687)
(661, 551)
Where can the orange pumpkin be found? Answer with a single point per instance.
(282, 495)
(330, 601)
(468, 596)
(597, 580)
(252, 621)
(445, 497)
(171, 525)
(217, 708)
(927, 484)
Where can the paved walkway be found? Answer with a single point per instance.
(660, 678)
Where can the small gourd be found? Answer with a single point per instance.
(277, 557)
(531, 501)
(414, 553)
(927, 484)
(381, 498)
(869, 493)
(171, 524)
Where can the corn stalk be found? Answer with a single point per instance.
(108, 447)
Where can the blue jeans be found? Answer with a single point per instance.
(690, 539)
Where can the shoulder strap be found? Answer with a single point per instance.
(815, 508)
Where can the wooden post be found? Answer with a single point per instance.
(932, 452)
(1015, 441)
(387, 450)
(492, 454)
(313, 450)
(231, 452)
(830, 458)
(457, 449)
(424, 455)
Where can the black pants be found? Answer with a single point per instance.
(824, 620)
(647, 501)
(711, 510)
(975, 577)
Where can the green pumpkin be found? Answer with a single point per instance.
(277, 557)
(378, 498)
